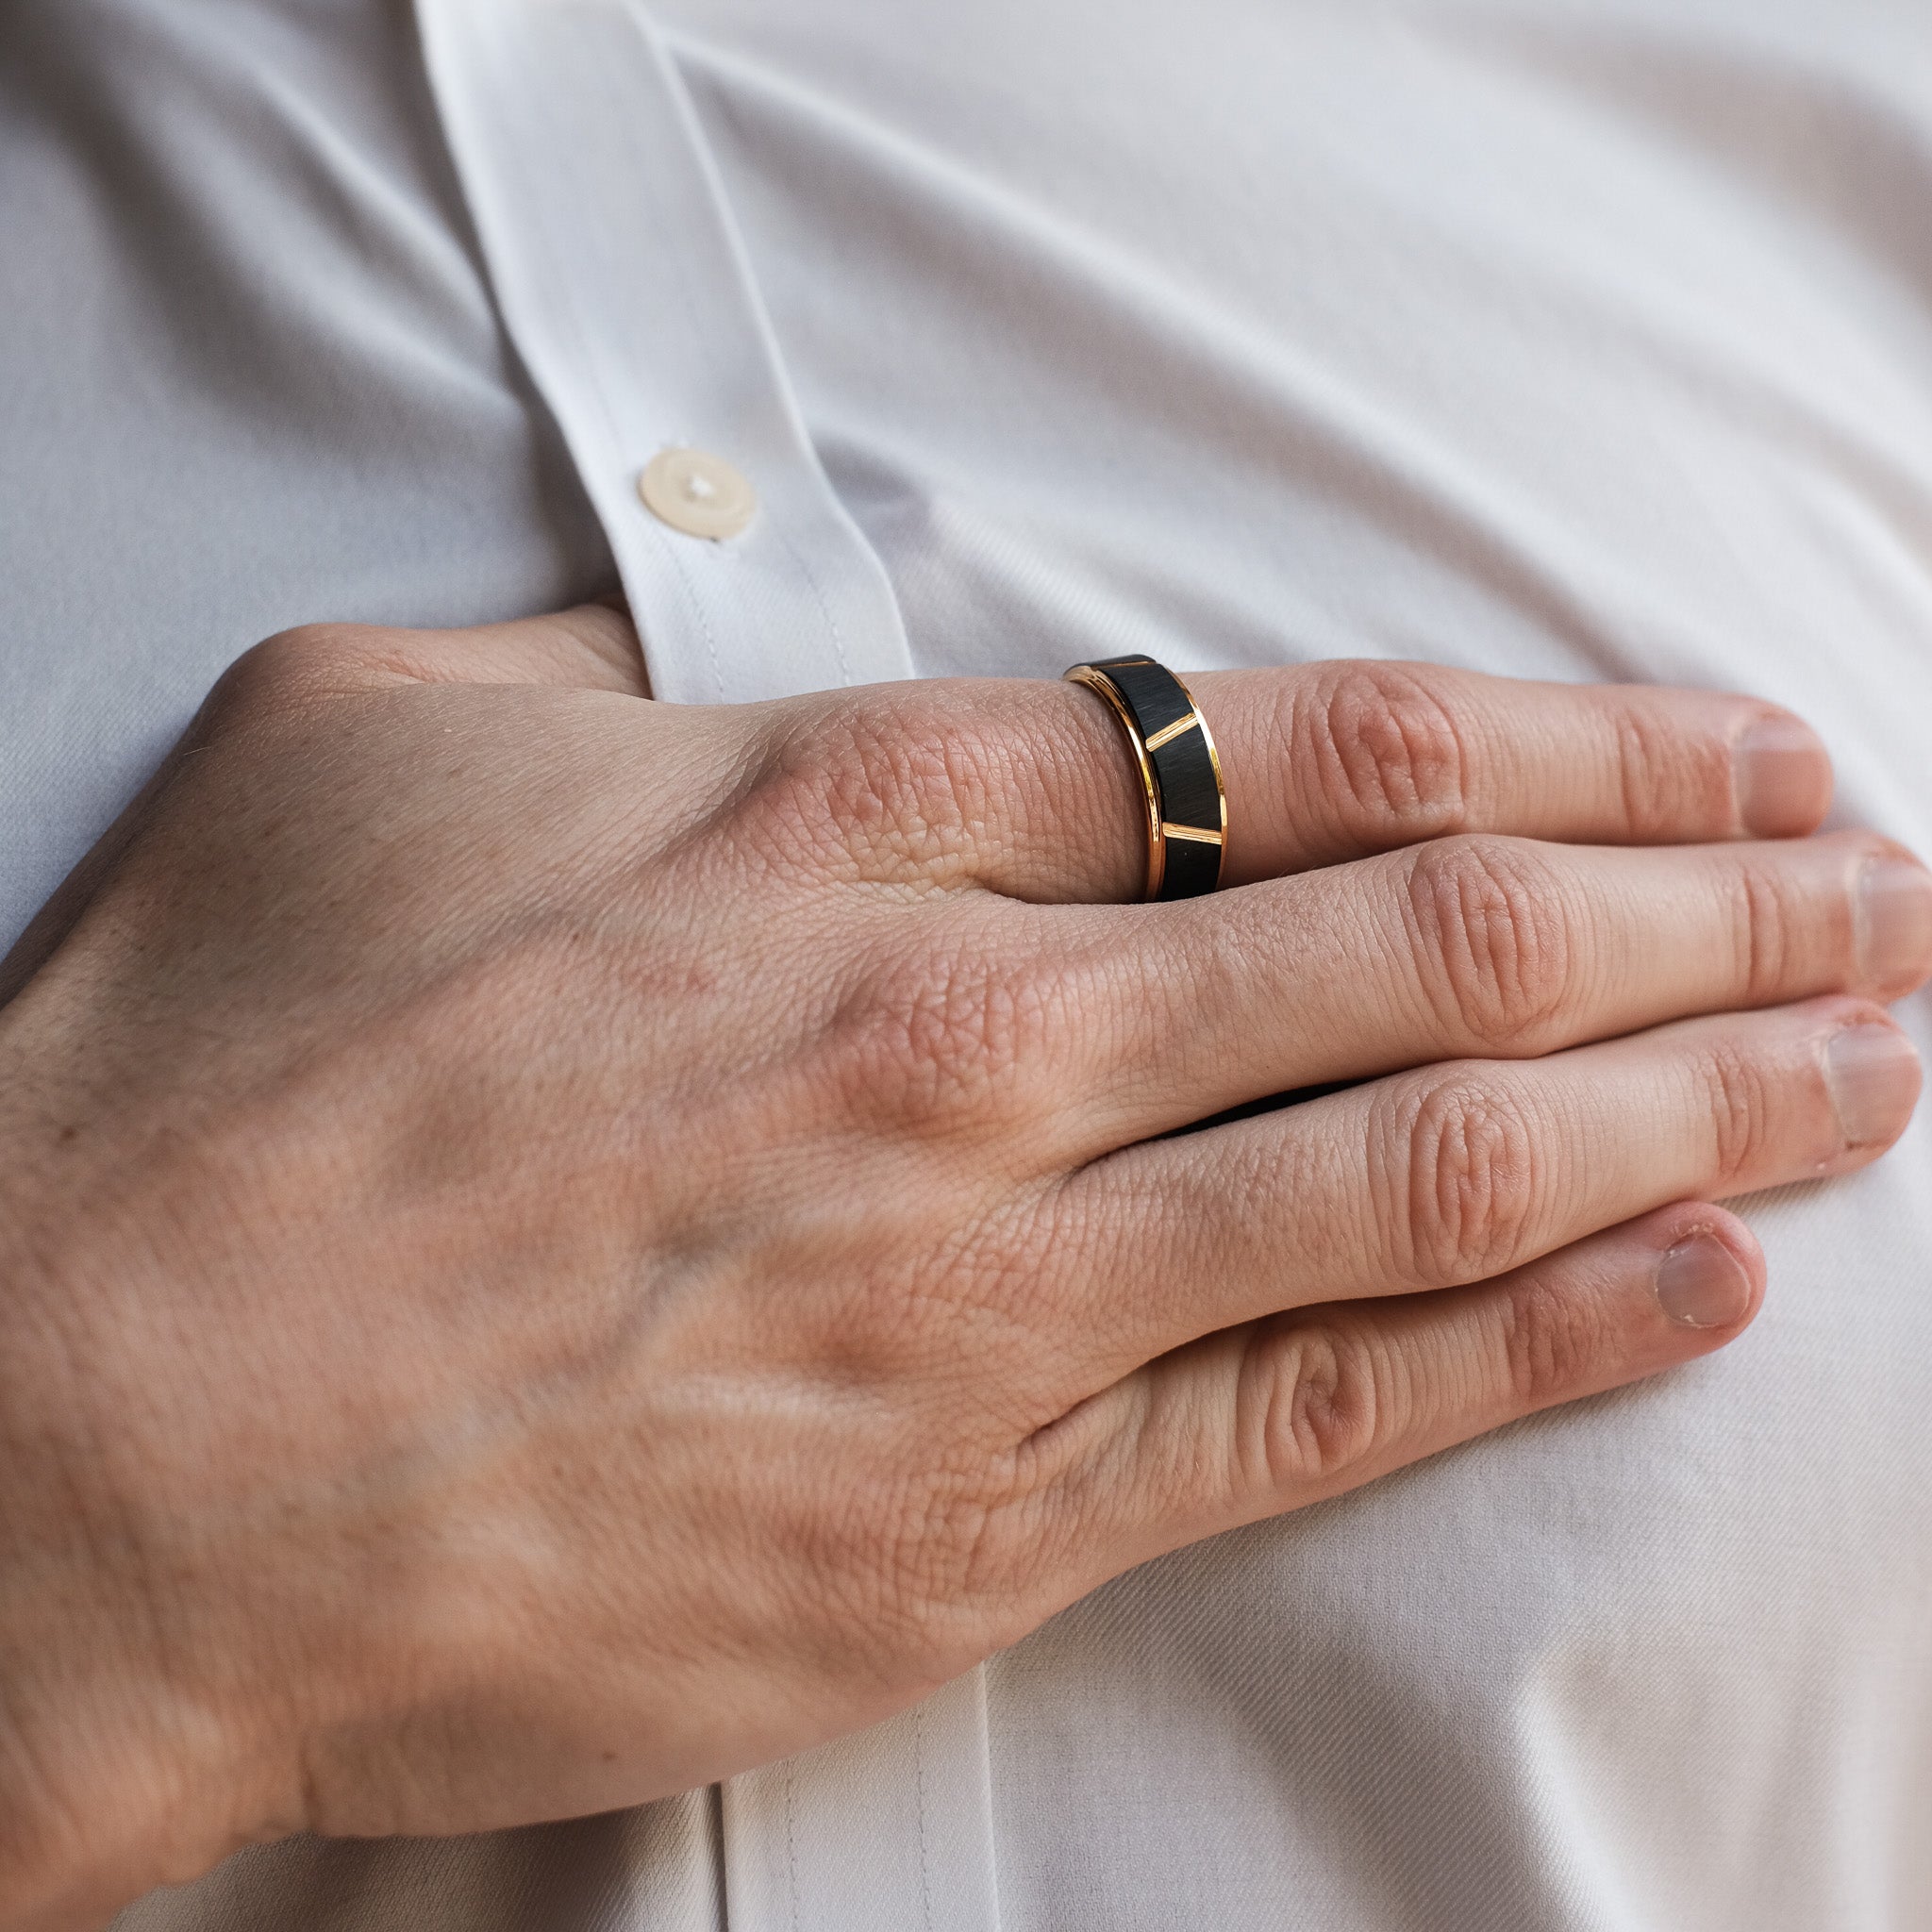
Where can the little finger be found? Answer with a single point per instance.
(1285, 1411)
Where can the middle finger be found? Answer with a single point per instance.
(1469, 947)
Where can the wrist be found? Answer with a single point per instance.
(118, 1772)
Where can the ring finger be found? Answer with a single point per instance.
(1330, 762)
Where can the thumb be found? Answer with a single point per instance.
(590, 647)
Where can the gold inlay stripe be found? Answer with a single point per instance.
(1192, 833)
(1168, 733)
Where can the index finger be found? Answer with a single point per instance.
(1333, 761)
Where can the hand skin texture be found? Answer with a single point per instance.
(556, 1247)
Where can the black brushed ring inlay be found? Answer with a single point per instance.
(1184, 769)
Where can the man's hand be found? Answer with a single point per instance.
(556, 1247)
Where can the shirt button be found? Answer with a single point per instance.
(697, 493)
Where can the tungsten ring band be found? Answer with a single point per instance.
(1178, 767)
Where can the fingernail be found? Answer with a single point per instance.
(1892, 919)
(1702, 1283)
(1781, 777)
(1873, 1076)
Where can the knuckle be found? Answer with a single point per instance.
(1462, 1183)
(954, 1532)
(1325, 1398)
(931, 1556)
(1667, 779)
(1492, 935)
(975, 1296)
(948, 1039)
(1761, 941)
(1743, 1111)
(1390, 755)
(888, 788)
(1549, 1341)
(276, 676)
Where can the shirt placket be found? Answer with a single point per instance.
(624, 285)
(622, 282)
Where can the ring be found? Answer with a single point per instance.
(1179, 768)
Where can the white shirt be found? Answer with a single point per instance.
(1566, 338)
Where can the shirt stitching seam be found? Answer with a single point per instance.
(819, 598)
(919, 1783)
(791, 1848)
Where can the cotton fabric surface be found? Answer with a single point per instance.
(1580, 338)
